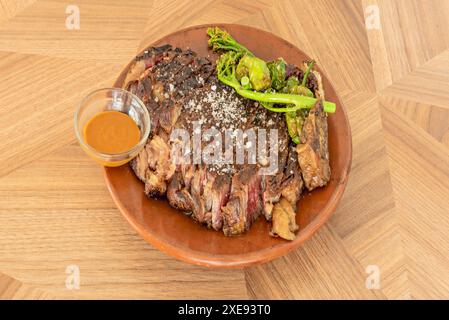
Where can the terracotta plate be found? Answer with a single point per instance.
(178, 235)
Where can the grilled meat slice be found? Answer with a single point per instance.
(272, 184)
(209, 191)
(157, 87)
(207, 197)
(234, 213)
(143, 62)
(152, 165)
(169, 113)
(178, 191)
(219, 196)
(313, 153)
(287, 182)
(187, 172)
(140, 164)
(199, 181)
(292, 185)
(178, 195)
(284, 220)
(283, 212)
(244, 205)
(292, 188)
(271, 192)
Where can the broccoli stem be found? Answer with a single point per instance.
(300, 102)
(292, 127)
(306, 74)
(239, 48)
(232, 46)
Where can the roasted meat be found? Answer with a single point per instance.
(244, 205)
(181, 92)
(292, 183)
(284, 223)
(153, 166)
(178, 195)
(313, 153)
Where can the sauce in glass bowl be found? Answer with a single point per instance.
(112, 125)
(111, 132)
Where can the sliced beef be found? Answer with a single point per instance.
(153, 166)
(178, 191)
(197, 187)
(271, 192)
(180, 82)
(292, 184)
(143, 62)
(283, 210)
(313, 152)
(178, 195)
(244, 205)
(179, 89)
(284, 220)
(219, 196)
(169, 113)
(155, 88)
(272, 184)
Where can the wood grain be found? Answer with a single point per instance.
(428, 83)
(421, 189)
(433, 119)
(320, 269)
(411, 33)
(10, 8)
(339, 22)
(109, 30)
(56, 212)
(367, 220)
(394, 82)
(39, 97)
(12, 289)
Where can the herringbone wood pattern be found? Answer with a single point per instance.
(394, 82)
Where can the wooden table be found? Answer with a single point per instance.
(393, 77)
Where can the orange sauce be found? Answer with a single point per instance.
(111, 132)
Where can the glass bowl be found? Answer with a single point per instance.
(112, 99)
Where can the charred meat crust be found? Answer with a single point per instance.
(313, 153)
(178, 196)
(244, 205)
(284, 222)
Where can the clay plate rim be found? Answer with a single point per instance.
(256, 257)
